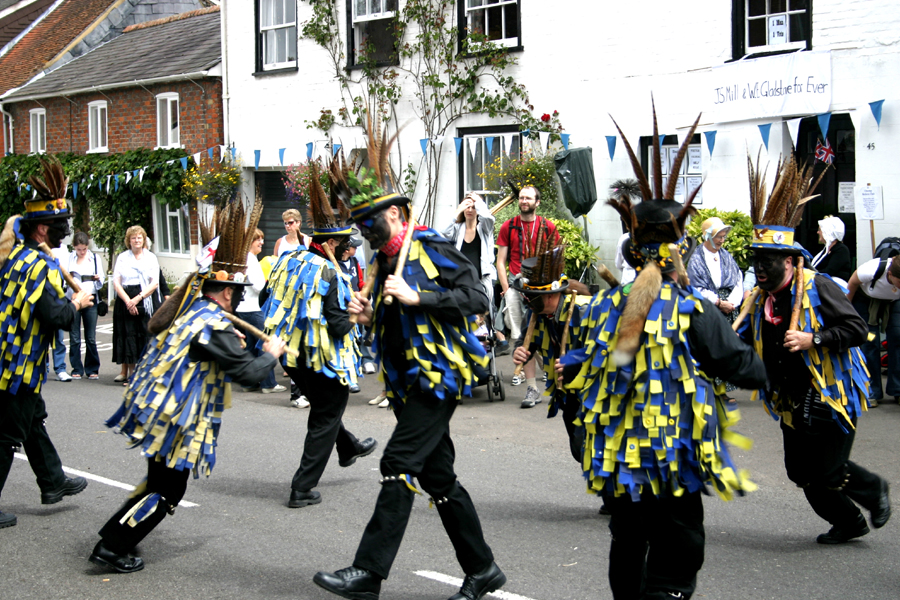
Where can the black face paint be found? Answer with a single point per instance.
(56, 231)
(769, 270)
(236, 297)
(376, 230)
(535, 303)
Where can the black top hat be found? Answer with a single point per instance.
(543, 274)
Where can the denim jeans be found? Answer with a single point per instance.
(59, 352)
(256, 319)
(872, 350)
(91, 356)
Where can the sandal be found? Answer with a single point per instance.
(76, 376)
(93, 376)
(120, 378)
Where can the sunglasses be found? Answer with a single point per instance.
(289, 223)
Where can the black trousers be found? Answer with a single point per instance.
(421, 446)
(324, 429)
(817, 459)
(657, 545)
(22, 424)
(168, 483)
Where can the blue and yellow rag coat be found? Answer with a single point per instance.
(655, 423)
(23, 347)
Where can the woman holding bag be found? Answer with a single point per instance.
(85, 266)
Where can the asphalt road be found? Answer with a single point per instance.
(239, 540)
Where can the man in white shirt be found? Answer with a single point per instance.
(874, 290)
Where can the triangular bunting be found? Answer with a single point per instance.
(564, 138)
(309, 151)
(335, 148)
(824, 120)
(764, 131)
(473, 146)
(117, 181)
(544, 136)
(196, 158)
(710, 140)
(75, 190)
(611, 146)
(876, 111)
(424, 143)
(489, 140)
(281, 155)
(183, 160)
(210, 152)
(128, 177)
(793, 126)
(508, 139)
(222, 152)
(458, 143)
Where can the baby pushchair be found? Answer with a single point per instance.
(488, 338)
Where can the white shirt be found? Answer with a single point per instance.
(628, 272)
(93, 266)
(129, 270)
(883, 290)
(257, 280)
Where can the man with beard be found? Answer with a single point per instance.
(174, 402)
(424, 321)
(520, 238)
(818, 337)
(307, 307)
(33, 307)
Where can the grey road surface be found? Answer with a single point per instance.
(239, 540)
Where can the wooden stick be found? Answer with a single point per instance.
(529, 334)
(746, 308)
(565, 336)
(608, 277)
(404, 250)
(683, 278)
(504, 203)
(66, 275)
(798, 296)
(367, 288)
(263, 336)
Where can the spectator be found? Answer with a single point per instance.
(628, 272)
(834, 259)
(519, 238)
(874, 289)
(135, 279)
(352, 268)
(714, 272)
(86, 267)
(294, 239)
(58, 343)
(472, 232)
(249, 311)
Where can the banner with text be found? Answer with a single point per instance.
(774, 86)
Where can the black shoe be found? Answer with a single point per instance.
(882, 512)
(70, 487)
(841, 536)
(604, 511)
(502, 349)
(354, 388)
(477, 586)
(363, 448)
(7, 520)
(301, 499)
(120, 563)
(357, 584)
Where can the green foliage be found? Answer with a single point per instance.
(112, 212)
(579, 253)
(739, 238)
(213, 182)
(367, 185)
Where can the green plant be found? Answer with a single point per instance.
(579, 253)
(739, 238)
(213, 182)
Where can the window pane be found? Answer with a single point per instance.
(756, 8)
(185, 230)
(472, 3)
(777, 6)
(269, 44)
(289, 10)
(101, 122)
(756, 33)
(494, 27)
(511, 24)
(42, 133)
(174, 138)
(265, 13)
(361, 8)
(477, 21)
(175, 230)
(798, 28)
(279, 12)
(92, 117)
(161, 231)
(390, 5)
(377, 37)
(162, 122)
(280, 45)
(292, 43)
(799, 4)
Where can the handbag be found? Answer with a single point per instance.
(102, 306)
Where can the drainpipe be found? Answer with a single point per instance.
(7, 141)
(226, 97)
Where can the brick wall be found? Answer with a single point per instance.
(131, 118)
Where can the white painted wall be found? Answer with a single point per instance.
(587, 58)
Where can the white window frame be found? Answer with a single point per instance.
(269, 6)
(472, 7)
(769, 45)
(375, 11)
(690, 174)
(164, 131)
(468, 162)
(98, 132)
(163, 216)
(37, 119)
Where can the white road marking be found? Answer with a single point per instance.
(103, 480)
(456, 582)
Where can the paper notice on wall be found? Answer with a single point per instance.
(846, 197)
(869, 203)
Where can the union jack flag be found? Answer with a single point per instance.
(824, 152)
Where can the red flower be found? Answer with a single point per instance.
(545, 118)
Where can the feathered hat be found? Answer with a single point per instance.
(657, 226)
(226, 239)
(543, 272)
(329, 217)
(658, 220)
(50, 203)
(775, 219)
(373, 189)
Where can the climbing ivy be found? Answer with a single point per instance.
(106, 214)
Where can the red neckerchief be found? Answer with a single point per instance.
(769, 308)
(393, 247)
(315, 246)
